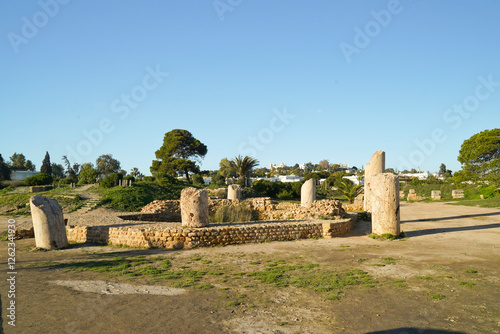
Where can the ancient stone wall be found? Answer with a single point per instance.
(228, 234)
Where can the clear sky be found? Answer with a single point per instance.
(283, 81)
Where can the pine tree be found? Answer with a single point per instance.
(46, 166)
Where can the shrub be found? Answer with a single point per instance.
(38, 180)
(198, 180)
(282, 190)
(88, 176)
(231, 214)
(218, 180)
(111, 180)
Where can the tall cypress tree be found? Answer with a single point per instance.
(46, 166)
(4, 170)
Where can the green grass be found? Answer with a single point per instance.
(232, 214)
(483, 203)
(387, 236)
(437, 296)
(133, 198)
(471, 271)
(18, 203)
(467, 284)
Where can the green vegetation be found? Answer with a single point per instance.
(173, 157)
(141, 193)
(280, 190)
(467, 284)
(231, 214)
(39, 180)
(437, 296)
(471, 271)
(387, 236)
(277, 273)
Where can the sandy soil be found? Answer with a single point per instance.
(444, 244)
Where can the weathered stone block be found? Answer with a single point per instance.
(385, 205)
(194, 207)
(308, 193)
(48, 223)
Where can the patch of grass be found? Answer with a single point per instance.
(231, 214)
(483, 203)
(254, 262)
(437, 296)
(361, 260)
(378, 265)
(389, 260)
(427, 278)
(233, 303)
(204, 286)
(387, 236)
(467, 284)
(282, 323)
(471, 271)
(242, 296)
(337, 295)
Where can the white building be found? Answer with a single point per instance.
(17, 175)
(277, 178)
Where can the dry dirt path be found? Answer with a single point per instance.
(452, 252)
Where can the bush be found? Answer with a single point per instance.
(111, 180)
(88, 176)
(218, 180)
(198, 180)
(282, 190)
(140, 194)
(231, 214)
(39, 180)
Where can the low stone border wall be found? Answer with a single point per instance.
(227, 234)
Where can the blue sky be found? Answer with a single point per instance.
(284, 81)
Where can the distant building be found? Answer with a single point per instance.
(277, 178)
(274, 166)
(17, 175)
(420, 176)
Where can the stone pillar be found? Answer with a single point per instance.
(385, 204)
(234, 192)
(194, 207)
(374, 167)
(308, 192)
(436, 195)
(48, 223)
(457, 193)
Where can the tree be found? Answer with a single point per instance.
(173, 157)
(86, 165)
(106, 164)
(227, 168)
(350, 190)
(480, 155)
(71, 170)
(324, 165)
(136, 173)
(28, 165)
(46, 166)
(442, 169)
(57, 170)
(4, 170)
(17, 161)
(244, 166)
(88, 176)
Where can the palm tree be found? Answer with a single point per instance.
(350, 190)
(243, 166)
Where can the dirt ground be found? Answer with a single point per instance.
(443, 278)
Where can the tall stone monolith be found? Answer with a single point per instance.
(385, 204)
(194, 207)
(308, 193)
(374, 167)
(234, 192)
(48, 223)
